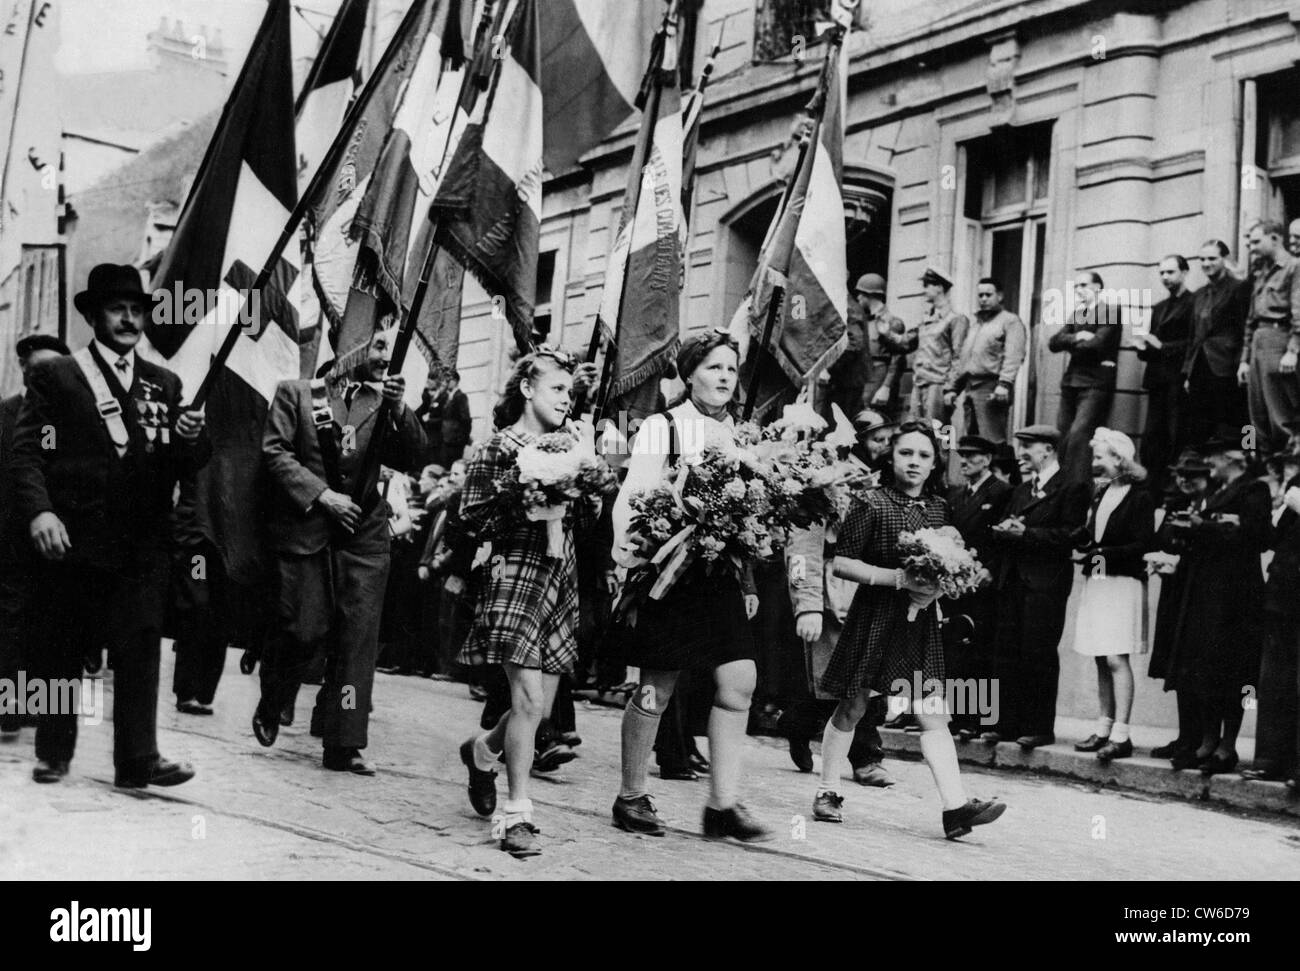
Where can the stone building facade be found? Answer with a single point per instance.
(1025, 139)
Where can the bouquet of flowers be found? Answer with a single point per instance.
(940, 558)
(549, 474)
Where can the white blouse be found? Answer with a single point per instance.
(649, 458)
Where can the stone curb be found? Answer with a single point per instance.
(1141, 774)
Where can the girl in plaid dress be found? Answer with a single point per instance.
(879, 650)
(527, 612)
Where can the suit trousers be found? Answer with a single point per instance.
(200, 598)
(1030, 624)
(1162, 435)
(927, 402)
(328, 600)
(73, 607)
(1215, 405)
(1274, 397)
(16, 589)
(1277, 739)
(1082, 412)
(984, 416)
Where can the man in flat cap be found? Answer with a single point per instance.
(978, 504)
(16, 566)
(937, 343)
(1035, 571)
(101, 442)
(989, 362)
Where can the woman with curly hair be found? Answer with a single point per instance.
(1111, 625)
(880, 651)
(526, 618)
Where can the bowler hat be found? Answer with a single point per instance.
(1040, 433)
(110, 280)
(977, 444)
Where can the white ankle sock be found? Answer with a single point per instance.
(485, 760)
(835, 752)
(1104, 726)
(941, 756)
(1119, 733)
(516, 811)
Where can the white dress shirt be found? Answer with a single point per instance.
(124, 375)
(649, 458)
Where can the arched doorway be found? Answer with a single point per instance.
(868, 204)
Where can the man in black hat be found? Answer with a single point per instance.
(101, 442)
(977, 505)
(15, 553)
(1035, 571)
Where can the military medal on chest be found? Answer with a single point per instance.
(153, 416)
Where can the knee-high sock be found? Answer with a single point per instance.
(639, 730)
(726, 755)
(941, 756)
(835, 749)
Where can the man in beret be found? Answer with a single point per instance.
(102, 440)
(977, 505)
(1035, 571)
(15, 554)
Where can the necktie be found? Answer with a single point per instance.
(1035, 486)
(350, 392)
(122, 365)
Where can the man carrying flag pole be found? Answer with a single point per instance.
(798, 305)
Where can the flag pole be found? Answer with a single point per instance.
(815, 105)
(651, 91)
(305, 200)
(368, 472)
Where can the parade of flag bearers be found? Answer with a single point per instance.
(631, 435)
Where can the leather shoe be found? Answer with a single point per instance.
(346, 760)
(1115, 750)
(482, 785)
(247, 662)
(976, 812)
(161, 773)
(874, 774)
(555, 755)
(1218, 764)
(521, 841)
(50, 770)
(1034, 741)
(827, 807)
(678, 773)
(734, 822)
(638, 816)
(990, 738)
(1186, 759)
(801, 754)
(1093, 743)
(191, 707)
(1175, 747)
(699, 763)
(265, 730)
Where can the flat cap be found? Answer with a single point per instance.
(1040, 433)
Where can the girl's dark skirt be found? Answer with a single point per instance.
(699, 622)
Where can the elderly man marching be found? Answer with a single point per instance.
(100, 444)
(331, 553)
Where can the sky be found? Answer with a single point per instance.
(110, 36)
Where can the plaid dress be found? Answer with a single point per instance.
(878, 646)
(527, 609)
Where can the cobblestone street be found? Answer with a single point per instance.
(275, 814)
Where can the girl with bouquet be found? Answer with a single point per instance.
(702, 620)
(526, 617)
(880, 648)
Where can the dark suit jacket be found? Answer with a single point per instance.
(1129, 535)
(116, 510)
(1171, 322)
(446, 423)
(1092, 363)
(1040, 558)
(975, 515)
(9, 408)
(291, 450)
(1218, 326)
